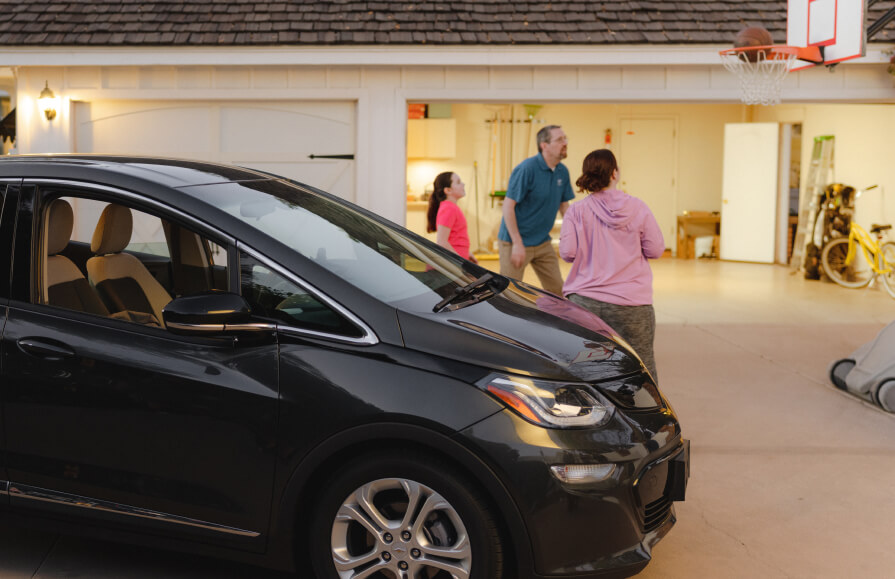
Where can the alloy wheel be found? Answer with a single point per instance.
(396, 528)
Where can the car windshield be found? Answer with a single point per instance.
(388, 262)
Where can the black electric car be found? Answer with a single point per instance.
(215, 359)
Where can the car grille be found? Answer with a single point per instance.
(656, 513)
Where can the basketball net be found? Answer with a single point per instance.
(761, 71)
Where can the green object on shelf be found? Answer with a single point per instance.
(498, 194)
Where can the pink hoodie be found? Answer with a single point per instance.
(608, 237)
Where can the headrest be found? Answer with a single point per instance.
(113, 230)
(60, 220)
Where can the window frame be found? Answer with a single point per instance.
(47, 190)
(368, 337)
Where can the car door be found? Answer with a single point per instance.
(8, 199)
(121, 421)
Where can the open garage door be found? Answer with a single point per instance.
(311, 142)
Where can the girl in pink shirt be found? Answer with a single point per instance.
(608, 237)
(445, 218)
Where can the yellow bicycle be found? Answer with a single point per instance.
(844, 265)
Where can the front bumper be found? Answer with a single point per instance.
(599, 529)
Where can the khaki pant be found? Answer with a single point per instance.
(543, 260)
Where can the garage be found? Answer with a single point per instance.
(672, 155)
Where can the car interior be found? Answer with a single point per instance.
(65, 284)
(120, 278)
(108, 276)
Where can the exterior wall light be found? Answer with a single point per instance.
(48, 102)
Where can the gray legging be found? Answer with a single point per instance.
(635, 324)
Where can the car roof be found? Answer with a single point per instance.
(171, 172)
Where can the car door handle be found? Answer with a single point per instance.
(45, 350)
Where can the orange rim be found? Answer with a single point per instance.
(780, 52)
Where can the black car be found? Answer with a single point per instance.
(220, 360)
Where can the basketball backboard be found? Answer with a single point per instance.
(838, 26)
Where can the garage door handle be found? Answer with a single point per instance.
(45, 350)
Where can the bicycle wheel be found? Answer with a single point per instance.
(854, 275)
(888, 251)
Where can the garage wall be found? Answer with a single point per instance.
(863, 150)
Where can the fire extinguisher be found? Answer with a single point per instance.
(608, 138)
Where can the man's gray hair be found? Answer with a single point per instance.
(544, 135)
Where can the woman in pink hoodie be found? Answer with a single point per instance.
(608, 237)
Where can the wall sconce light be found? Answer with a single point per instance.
(48, 102)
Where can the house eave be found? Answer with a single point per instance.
(379, 55)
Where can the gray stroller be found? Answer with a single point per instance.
(869, 372)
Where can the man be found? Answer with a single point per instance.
(539, 187)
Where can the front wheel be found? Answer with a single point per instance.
(888, 251)
(401, 515)
(853, 275)
(839, 371)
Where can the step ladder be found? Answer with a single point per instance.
(820, 174)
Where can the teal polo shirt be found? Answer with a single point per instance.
(538, 192)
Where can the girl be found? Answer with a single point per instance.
(608, 237)
(445, 218)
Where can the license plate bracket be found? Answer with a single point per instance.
(678, 473)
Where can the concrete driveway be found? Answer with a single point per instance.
(790, 477)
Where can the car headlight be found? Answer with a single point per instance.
(550, 404)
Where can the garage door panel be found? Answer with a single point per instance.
(273, 130)
(117, 128)
(276, 137)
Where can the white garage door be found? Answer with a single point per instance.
(286, 138)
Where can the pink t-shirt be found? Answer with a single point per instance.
(451, 216)
(608, 237)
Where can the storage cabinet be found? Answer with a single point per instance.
(431, 138)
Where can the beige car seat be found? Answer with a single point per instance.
(63, 283)
(121, 279)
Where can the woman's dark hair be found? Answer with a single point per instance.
(596, 171)
(442, 182)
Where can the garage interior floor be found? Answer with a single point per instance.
(789, 477)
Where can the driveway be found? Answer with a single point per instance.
(790, 477)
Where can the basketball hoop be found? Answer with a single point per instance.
(761, 69)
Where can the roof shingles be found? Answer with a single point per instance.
(347, 22)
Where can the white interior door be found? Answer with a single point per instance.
(278, 137)
(749, 192)
(647, 160)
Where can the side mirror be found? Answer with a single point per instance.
(211, 313)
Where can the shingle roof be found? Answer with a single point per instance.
(357, 22)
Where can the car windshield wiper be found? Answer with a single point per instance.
(473, 292)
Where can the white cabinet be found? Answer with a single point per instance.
(431, 138)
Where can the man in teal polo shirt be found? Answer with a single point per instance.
(539, 187)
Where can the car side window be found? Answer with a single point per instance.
(117, 261)
(271, 295)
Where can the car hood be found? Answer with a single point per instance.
(523, 330)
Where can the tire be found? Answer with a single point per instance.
(884, 395)
(833, 260)
(364, 523)
(839, 371)
(888, 250)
